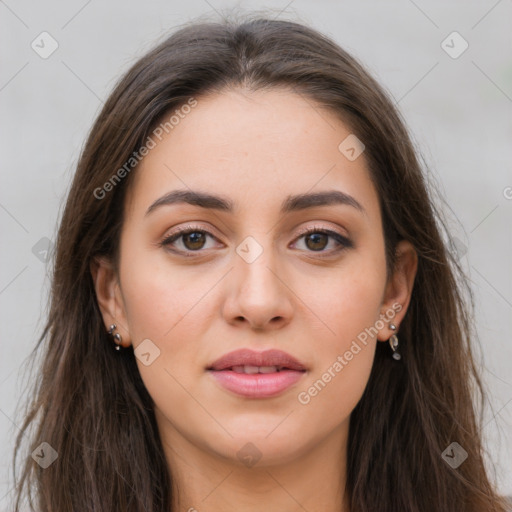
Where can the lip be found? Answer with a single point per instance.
(257, 385)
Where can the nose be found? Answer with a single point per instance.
(259, 294)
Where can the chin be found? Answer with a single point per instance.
(262, 444)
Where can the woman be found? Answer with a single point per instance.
(252, 303)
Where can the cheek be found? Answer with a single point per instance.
(349, 300)
(349, 305)
(344, 361)
(170, 307)
(158, 298)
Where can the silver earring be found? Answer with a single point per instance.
(393, 343)
(117, 337)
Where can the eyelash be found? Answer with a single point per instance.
(344, 242)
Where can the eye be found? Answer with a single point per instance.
(316, 239)
(190, 238)
(194, 239)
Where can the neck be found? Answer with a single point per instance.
(313, 480)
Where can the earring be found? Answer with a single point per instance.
(117, 337)
(393, 343)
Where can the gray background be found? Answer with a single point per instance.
(459, 111)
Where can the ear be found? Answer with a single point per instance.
(397, 294)
(109, 297)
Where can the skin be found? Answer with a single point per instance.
(255, 148)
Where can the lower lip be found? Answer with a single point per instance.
(257, 385)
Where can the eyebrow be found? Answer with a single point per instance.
(290, 204)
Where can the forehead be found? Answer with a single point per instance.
(254, 146)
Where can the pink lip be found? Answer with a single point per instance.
(257, 385)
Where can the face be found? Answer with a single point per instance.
(262, 265)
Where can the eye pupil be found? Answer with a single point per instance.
(195, 237)
(317, 238)
(194, 240)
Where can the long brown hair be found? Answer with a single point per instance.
(89, 401)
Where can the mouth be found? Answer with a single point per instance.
(251, 370)
(253, 374)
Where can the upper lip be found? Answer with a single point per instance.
(247, 357)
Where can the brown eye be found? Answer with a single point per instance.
(317, 241)
(187, 240)
(194, 240)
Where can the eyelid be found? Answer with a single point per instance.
(187, 228)
(181, 230)
(315, 228)
(342, 240)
